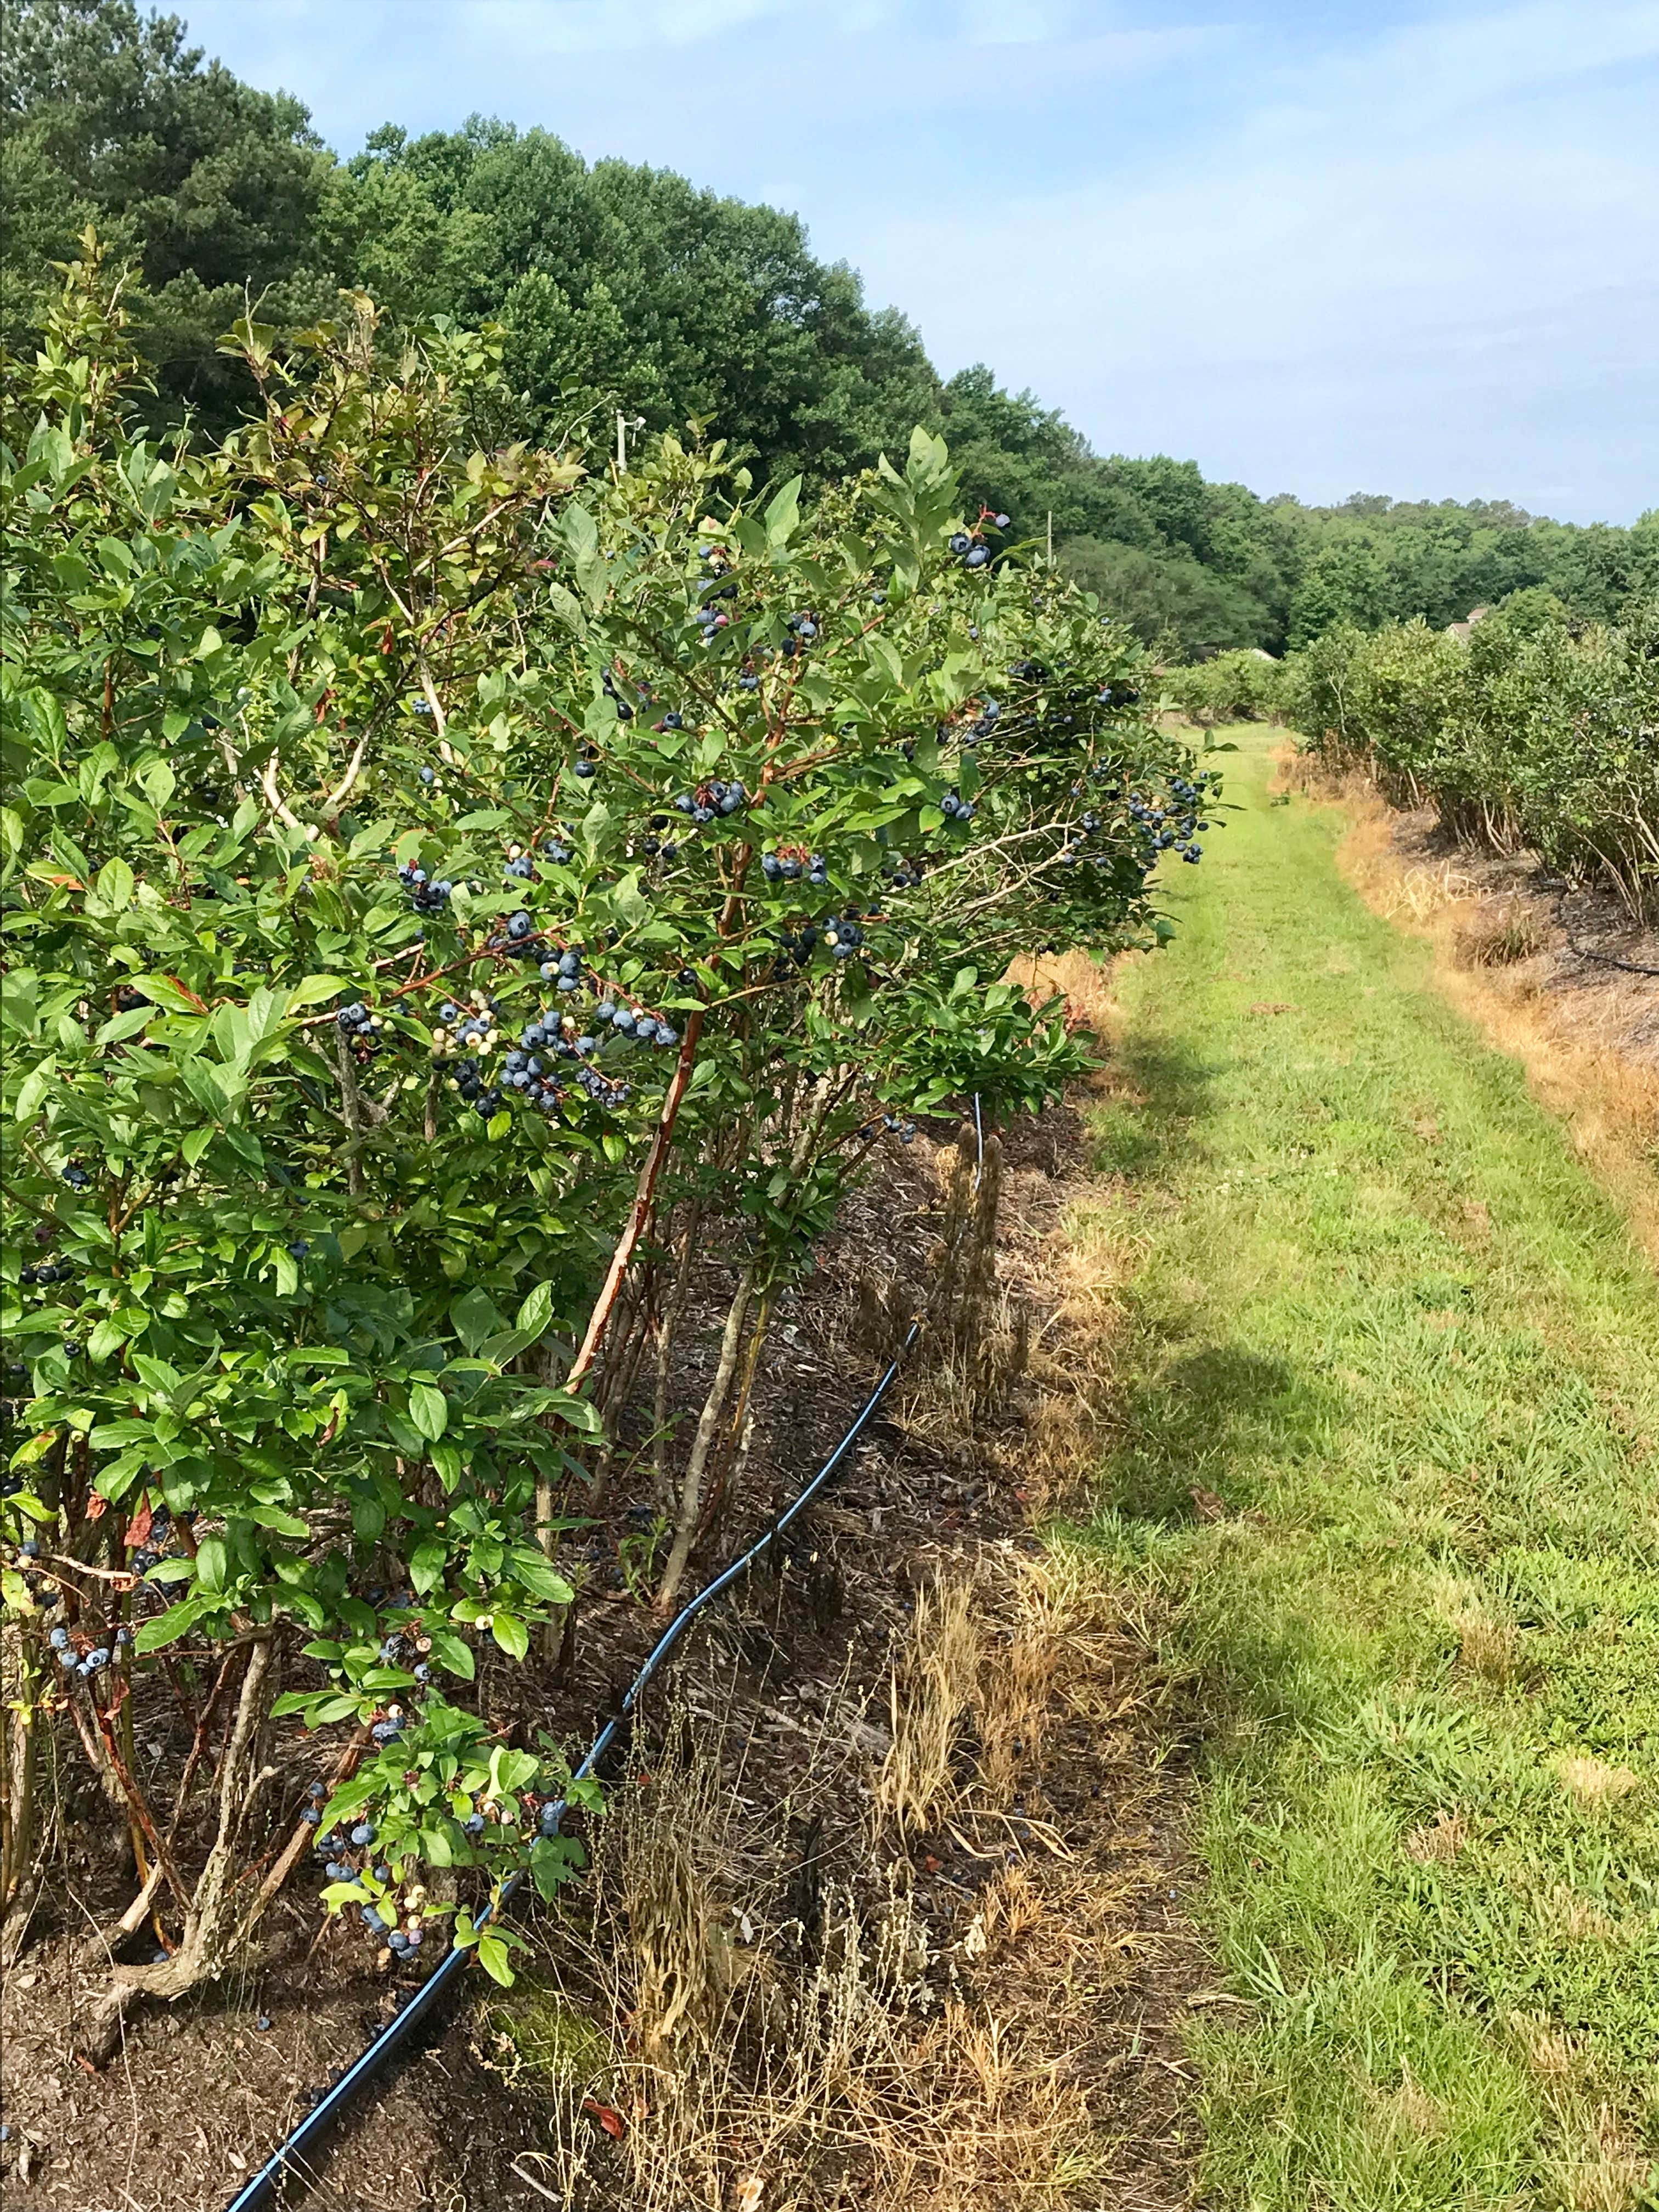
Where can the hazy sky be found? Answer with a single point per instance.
(1317, 248)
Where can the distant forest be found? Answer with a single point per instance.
(619, 286)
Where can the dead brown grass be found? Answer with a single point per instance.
(1592, 1783)
(713, 2033)
(947, 1972)
(1084, 981)
(1491, 958)
(1437, 1841)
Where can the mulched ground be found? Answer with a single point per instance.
(201, 2093)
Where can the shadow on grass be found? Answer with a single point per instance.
(1151, 1131)
(1193, 1430)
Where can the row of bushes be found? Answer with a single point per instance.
(449, 903)
(1230, 687)
(1539, 732)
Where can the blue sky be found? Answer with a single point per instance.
(1316, 248)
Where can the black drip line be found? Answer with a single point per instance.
(258, 2191)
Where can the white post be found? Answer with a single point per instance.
(622, 443)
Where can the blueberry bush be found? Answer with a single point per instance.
(1540, 731)
(447, 899)
(1245, 686)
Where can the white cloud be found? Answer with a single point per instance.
(1417, 268)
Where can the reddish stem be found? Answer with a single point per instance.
(644, 1196)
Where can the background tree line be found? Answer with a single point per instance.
(623, 286)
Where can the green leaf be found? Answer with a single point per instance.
(313, 990)
(553, 1860)
(476, 1317)
(105, 1338)
(540, 1579)
(428, 1409)
(164, 1628)
(536, 1310)
(113, 887)
(427, 1563)
(453, 1654)
(510, 1632)
(493, 1958)
(783, 515)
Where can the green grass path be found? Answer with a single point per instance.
(1385, 1317)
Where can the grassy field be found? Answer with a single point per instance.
(1388, 1453)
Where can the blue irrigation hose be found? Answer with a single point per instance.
(257, 2192)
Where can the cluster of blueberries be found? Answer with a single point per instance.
(1164, 830)
(971, 549)
(709, 799)
(1117, 694)
(403, 1942)
(788, 868)
(85, 1664)
(632, 1022)
(564, 973)
(358, 1026)
(548, 1816)
(624, 710)
(150, 1554)
(955, 808)
(801, 630)
(711, 619)
(76, 1176)
(427, 897)
(522, 1069)
(1079, 836)
(840, 936)
(47, 1271)
(984, 723)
